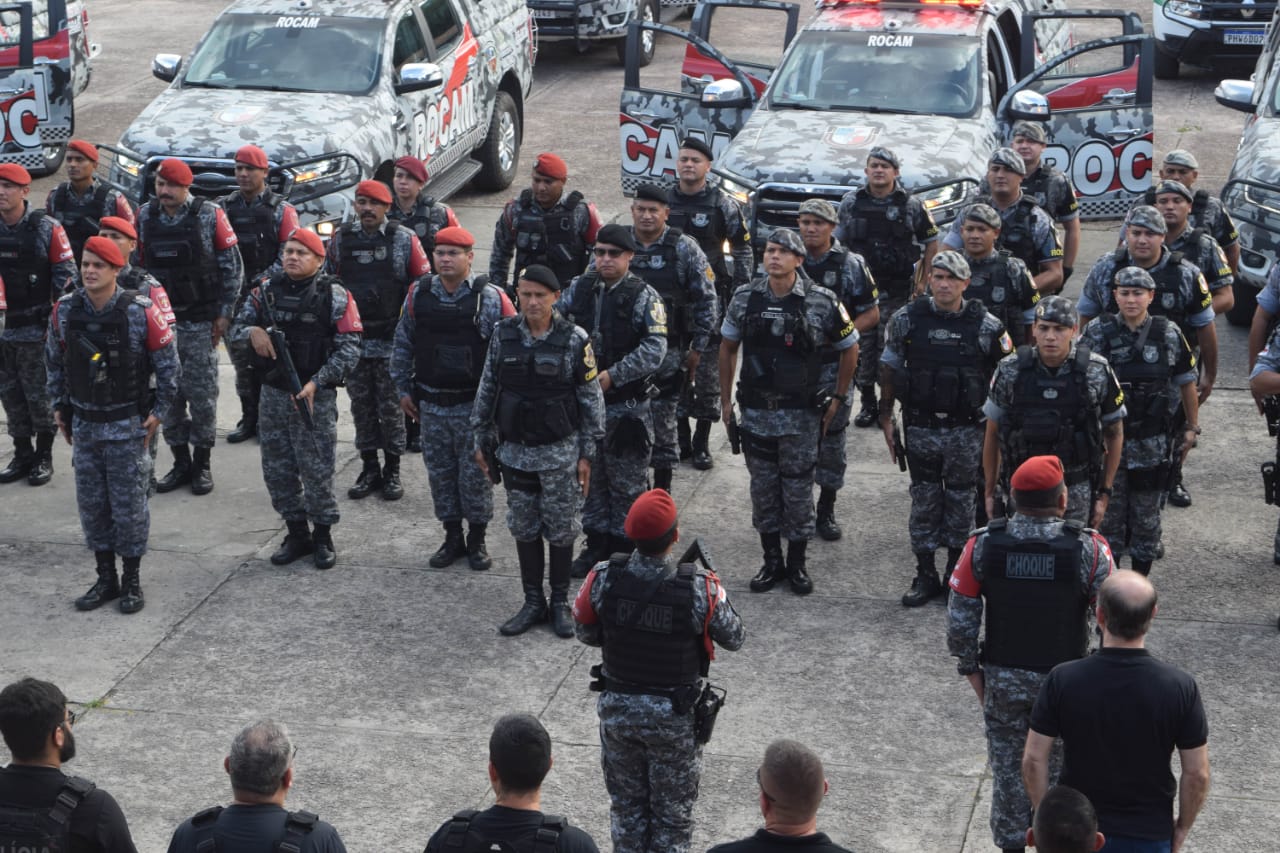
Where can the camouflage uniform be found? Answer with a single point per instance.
(1190, 304)
(135, 278)
(1208, 215)
(1051, 190)
(583, 224)
(425, 219)
(1269, 361)
(1010, 293)
(652, 763)
(1040, 245)
(1205, 254)
(80, 213)
(1009, 692)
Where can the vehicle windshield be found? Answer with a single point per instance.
(302, 53)
(879, 72)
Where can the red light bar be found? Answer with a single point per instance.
(968, 4)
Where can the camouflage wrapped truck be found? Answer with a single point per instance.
(584, 22)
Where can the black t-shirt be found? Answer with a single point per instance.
(765, 841)
(97, 824)
(254, 829)
(1120, 714)
(500, 823)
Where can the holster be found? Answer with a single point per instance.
(705, 711)
(629, 438)
(1269, 483)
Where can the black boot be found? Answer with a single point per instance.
(248, 426)
(926, 585)
(828, 529)
(325, 556)
(594, 550)
(1178, 495)
(391, 488)
(684, 437)
(180, 473)
(561, 612)
(370, 476)
(870, 411)
(1142, 567)
(42, 466)
(413, 435)
(662, 479)
(106, 588)
(477, 555)
(201, 476)
(454, 546)
(800, 582)
(533, 561)
(24, 456)
(297, 543)
(701, 452)
(953, 557)
(131, 600)
(774, 569)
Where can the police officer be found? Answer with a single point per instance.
(1049, 187)
(783, 321)
(188, 244)
(1207, 212)
(540, 406)
(545, 226)
(1039, 576)
(321, 325)
(1055, 397)
(709, 215)
(627, 322)
(81, 201)
(892, 230)
(998, 280)
(263, 221)
(37, 266)
(1174, 201)
(440, 346)
(672, 264)
(656, 624)
(939, 353)
(1264, 381)
(1155, 368)
(376, 259)
(846, 275)
(103, 342)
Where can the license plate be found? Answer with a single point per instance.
(1247, 37)
(551, 13)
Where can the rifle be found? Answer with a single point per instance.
(899, 449)
(284, 361)
(709, 700)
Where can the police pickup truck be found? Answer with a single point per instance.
(334, 91)
(585, 21)
(938, 81)
(1204, 32)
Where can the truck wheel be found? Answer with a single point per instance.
(53, 155)
(1165, 66)
(1241, 313)
(500, 152)
(650, 13)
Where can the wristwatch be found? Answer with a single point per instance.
(1104, 490)
(843, 398)
(1196, 429)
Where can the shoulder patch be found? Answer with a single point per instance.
(657, 313)
(588, 362)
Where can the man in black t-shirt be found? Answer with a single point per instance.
(37, 729)
(519, 758)
(1120, 714)
(1065, 822)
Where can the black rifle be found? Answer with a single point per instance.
(899, 449)
(284, 362)
(707, 702)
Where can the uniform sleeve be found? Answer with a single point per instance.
(702, 290)
(1199, 298)
(503, 247)
(964, 611)
(346, 340)
(1184, 362)
(1111, 405)
(418, 263)
(998, 398)
(953, 238)
(1269, 295)
(726, 627)
(1093, 296)
(482, 408)
(593, 223)
(650, 319)
(1217, 272)
(1269, 358)
(862, 283)
(586, 622)
(995, 340)
(162, 349)
(1223, 228)
(65, 275)
(55, 378)
(844, 213)
(450, 218)
(893, 355)
(1065, 207)
(840, 330)
(734, 314)
(590, 404)
(926, 230)
(739, 236)
(1048, 249)
(401, 366)
(229, 261)
(124, 209)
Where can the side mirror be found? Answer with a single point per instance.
(166, 66)
(1235, 95)
(722, 92)
(1031, 106)
(418, 77)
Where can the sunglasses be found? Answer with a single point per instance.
(602, 252)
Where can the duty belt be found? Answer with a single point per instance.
(931, 420)
(626, 688)
(447, 398)
(106, 416)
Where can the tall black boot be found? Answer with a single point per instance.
(477, 554)
(684, 437)
(662, 479)
(828, 528)
(370, 478)
(248, 426)
(774, 569)
(594, 550)
(953, 557)
(180, 473)
(1142, 567)
(24, 456)
(701, 451)
(42, 467)
(297, 543)
(391, 488)
(131, 600)
(561, 612)
(870, 411)
(201, 476)
(106, 588)
(413, 435)
(925, 586)
(800, 582)
(325, 556)
(533, 562)
(454, 547)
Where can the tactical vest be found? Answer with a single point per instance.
(1035, 606)
(1052, 416)
(649, 636)
(1144, 373)
(103, 371)
(1036, 187)
(425, 220)
(135, 278)
(701, 217)
(1199, 204)
(991, 284)
(43, 830)
(827, 272)
(659, 266)
(448, 349)
(304, 312)
(536, 405)
(175, 255)
(617, 332)
(781, 361)
(1017, 232)
(550, 237)
(1170, 298)
(80, 221)
(256, 231)
(946, 376)
(882, 235)
(367, 266)
(460, 837)
(297, 826)
(26, 272)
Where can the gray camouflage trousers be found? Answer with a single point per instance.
(1079, 502)
(375, 407)
(297, 464)
(871, 344)
(241, 355)
(22, 388)
(1006, 710)
(111, 492)
(1132, 522)
(700, 399)
(666, 450)
(193, 417)
(554, 512)
(832, 458)
(782, 480)
(459, 489)
(944, 464)
(652, 774)
(617, 479)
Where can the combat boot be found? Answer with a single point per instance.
(594, 550)
(24, 456)
(561, 612)
(325, 555)
(391, 488)
(42, 466)
(413, 435)
(453, 548)
(106, 588)
(701, 453)
(796, 574)
(297, 543)
(774, 569)
(828, 528)
(201, 476)
(953, 557)
(533, 561)
(870, 411)
(1179, 496)
(131, 600)
(683, 436)
(477, 554)
(926, 585)
(1142, 567)
(180, 473)
(662, 479)
(370, 476)
(247, 428)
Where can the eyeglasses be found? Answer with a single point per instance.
(602, 252)
(762, 790)
(72, 716)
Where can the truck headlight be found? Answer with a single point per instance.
(944, 201)
(1184, 9)
(739, 191)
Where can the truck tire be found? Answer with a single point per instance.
(53, 156)
(650, 13)
(500, 153)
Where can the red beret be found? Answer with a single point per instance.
(15, 174)
(1037, 474)
(310, 239)
(118, 223)
(252, 155)
(105, 249)
(651, 516)
(455, 235)
(551, 166)
(86, 149)
(175, 171)
(375, 190)
(414, 167)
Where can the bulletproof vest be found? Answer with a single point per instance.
(882, 235)
(536, 405)
(175, 255)
(1036, 187)
(425, 220)
(781, 361)
(702, 219)
(367, 266)
(48, 830)
(1199, 204)
(80, 221)
(297, 826)
(102, 369)
(550, 237)
(617, 332)
(256, 232)
(1035, 606)
(659, 266)
(649, 636)
(945, 371)
(827, 271)
(1017, 232)
(1051, 415)
(304, 312)
(1143, 372)
(993, 286)
(1170, 297)
(462, 838)
(26, 272)
(448, 348)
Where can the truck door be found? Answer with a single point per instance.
(36, 85)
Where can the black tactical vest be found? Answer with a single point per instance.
(659, 266)
(946, 375)
(256, 232)
(615, 328)
(103, 371)
(176, 256)
(297, 826)
(881, 233)
(781, 360)
(701, 217)
(425, 220)
(448, 348)
(827, 272)
(991, 284)
(47, 830)
(367, 266)
(1017, 231)
(649, 636)
(1052, 416)
(80, 221)
(27, 273)
(1144, 374)
(550, 237)
(1170, 298)
(536, 404)
(134, 278)
(461, 837)
(304, 312)
(1035, 606)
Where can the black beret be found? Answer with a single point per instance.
(542, 275)
(652, 192)
(698, 145)
(616, 235)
